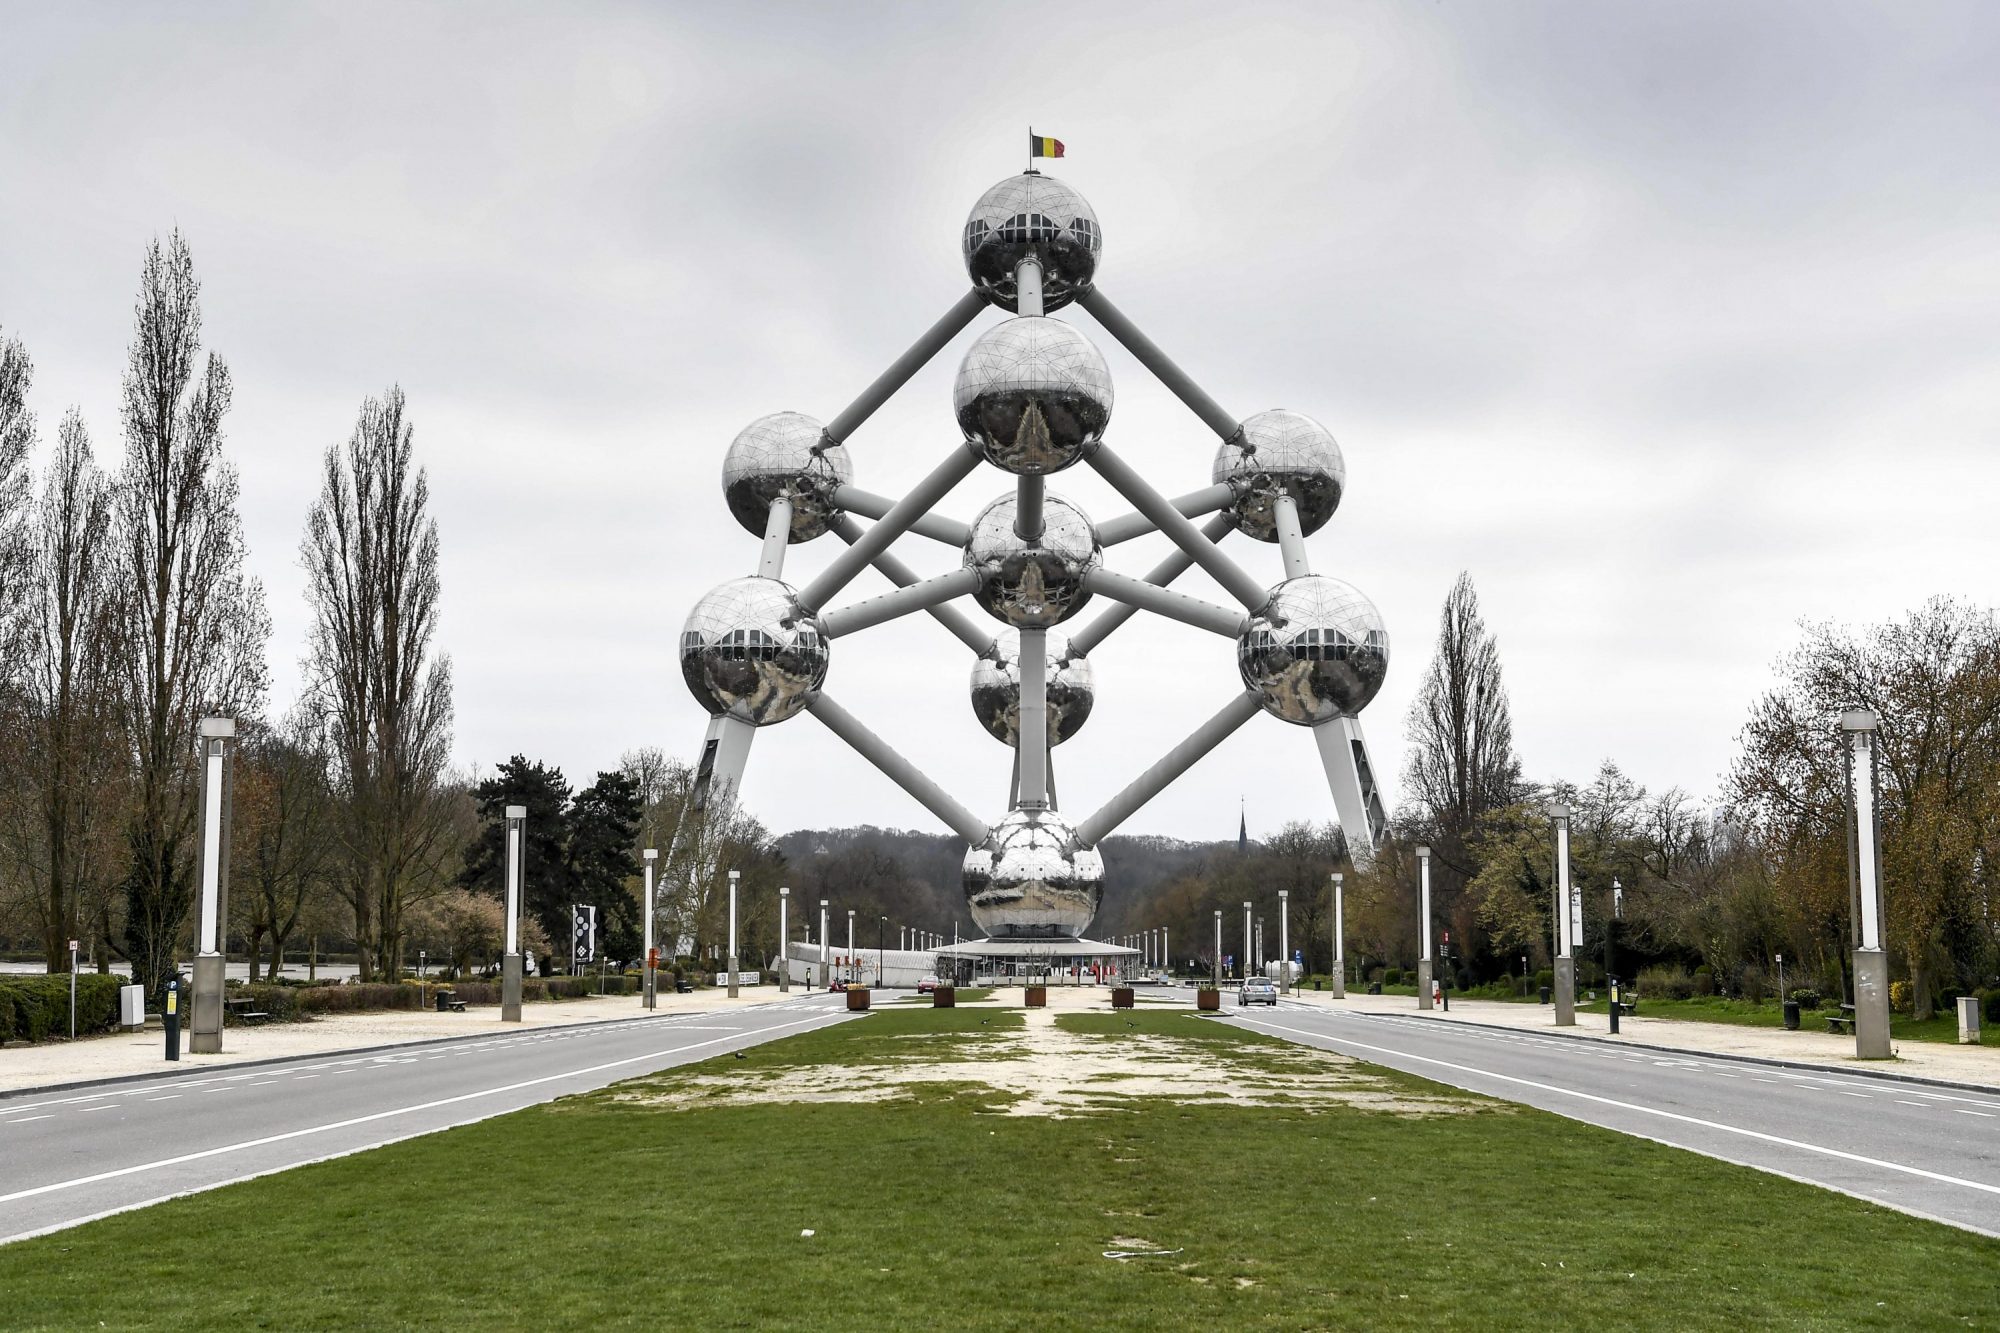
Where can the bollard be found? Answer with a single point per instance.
(172, 1018)
(1614, 1006)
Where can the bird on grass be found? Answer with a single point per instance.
(737, 1054)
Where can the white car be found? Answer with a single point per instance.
(1258, 990)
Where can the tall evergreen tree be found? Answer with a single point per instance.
(546, 887)
(1462, 760)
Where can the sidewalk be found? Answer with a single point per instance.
(1918, 1059)
(57, 1063)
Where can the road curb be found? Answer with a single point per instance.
(43, 1089)
(1989, 1088)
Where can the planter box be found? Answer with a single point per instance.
(1121, 997)
(1207, 1000)
(1037, 997)
(857, 998)
(944, 997)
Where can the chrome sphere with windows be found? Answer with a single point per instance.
(1281, 452)
(789, 455)
(1315, 652)
(1034, 393)
(751, 651)
(996, 688)
(1032, 215)
(1032, 584)
(1032, 879)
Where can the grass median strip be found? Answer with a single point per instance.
(996, 1170)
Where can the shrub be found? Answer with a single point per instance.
(1993, 1006)
(1805, 997)
(1545, 977)
(1704, 980)
(37, 1008)
(358, 997)
(1665, 983)
(1392, 976)
(1900, 996)
(1754, 983)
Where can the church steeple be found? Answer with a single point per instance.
(1242, 828)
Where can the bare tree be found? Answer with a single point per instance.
(283, 835)
(383, 694)
(17, 437)
(192, 624)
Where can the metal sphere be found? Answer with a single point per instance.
(1031, 879)
(1316, 651)
(1281, 452)
(751, 651)
(1034, 393)
(996, 688)
(1032, 585)
(1032, 215)
(785, 454)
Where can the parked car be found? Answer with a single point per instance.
(838, 984)
(1258, 990)
(926, 984)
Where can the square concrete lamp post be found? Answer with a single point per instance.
(218, 739)
(1864, 878)
(1285, 940)
(1339, 942)
(1249, 943)
(1423, 927)
(649, 987)
(784, 940)
(1569, 921)
(1216, 968)
(734, 875)
(850, 946)
(825, 959)
(510, 960)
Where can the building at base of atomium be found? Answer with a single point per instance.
(1033, 397)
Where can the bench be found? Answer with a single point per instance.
(448, 1002)
(243, 1010)
(1841, 1023)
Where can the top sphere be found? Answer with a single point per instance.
(788, 455)
(1281, 452)
(1035, 393)
(1316, 651)
(751, 651)
(1036, 216)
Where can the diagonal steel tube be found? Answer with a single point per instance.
(1178, 527)
(897, 769)
(870, 505)
(1176, 762)
(777, 535)
(1192, 505)
(911, 597)
(1144, 596)
(1160, 575)
(1152, 358)
(906, 365)
(955, 468)
(903, 576)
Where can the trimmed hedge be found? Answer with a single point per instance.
(37, 1008)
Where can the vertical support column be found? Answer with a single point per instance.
(510, 961)
(1033, 740)
(725, 751)
(825, 961)
(1166, 956)
(1291, 537)
(649, 988)
(1249, 943)
(850, 945)
(1285, 941)
(1864, 873)
(1344, 755)
(1216, 961)
(777, 536)
(1423, 927)
(1567, 918)
(1339, 939)
(734, 875)
(784, 939)
(218, 737)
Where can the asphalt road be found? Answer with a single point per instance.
(68, 1157)
(1925, 1150)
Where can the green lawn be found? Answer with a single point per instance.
(1767, 1014)
(936, 1209)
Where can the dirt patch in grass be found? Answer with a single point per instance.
(1044, 1066)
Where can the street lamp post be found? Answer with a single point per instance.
(1569, 922)
(510, 960)
(881, 957)
(1216, 961)
(1423, 927)
(825, 958)
(1339, 941)
(218, 738)
(650, 976)
(1285, 939)
(784, 939)
(850, 946)
(734, 875)
(1249, 943)
(1864, 877)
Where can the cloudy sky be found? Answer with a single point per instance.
(1674, 324)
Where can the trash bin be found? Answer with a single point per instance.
(1791, 1015)
(444, 998)
(1545, 994)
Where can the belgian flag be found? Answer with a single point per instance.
(1043, 146)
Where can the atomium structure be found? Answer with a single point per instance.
(1033, 397)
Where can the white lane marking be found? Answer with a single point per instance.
(1983, 1115)
(296, 1078)
(381, 1115)
(1719, 1074)
(25, 1119)
(1925, 1105)
(1643, 1110)
(170, 1097)
(1845, 1093)
(88, 1109)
